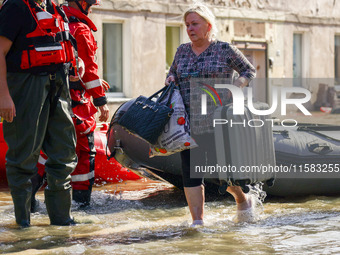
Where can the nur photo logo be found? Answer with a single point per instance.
(239, 99)
(212, 93)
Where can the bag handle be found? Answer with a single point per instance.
(170, 91)
(165, 90)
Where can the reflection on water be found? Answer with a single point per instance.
(152, 218)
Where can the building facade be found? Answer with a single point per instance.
(290, 42)
(285, 40)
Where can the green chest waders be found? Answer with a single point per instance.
(37, 126)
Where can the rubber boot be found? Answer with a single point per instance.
(58, 205)
(83, 197)
(22, 206)
(37, 182)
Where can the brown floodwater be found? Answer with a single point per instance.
(146, 217)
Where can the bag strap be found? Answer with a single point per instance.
(165, 90)
(49, 6)
(172, 86)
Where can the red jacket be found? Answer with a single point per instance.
(80, 27)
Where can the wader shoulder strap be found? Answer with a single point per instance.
(49, 6)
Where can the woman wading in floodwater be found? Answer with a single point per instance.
(206, 57)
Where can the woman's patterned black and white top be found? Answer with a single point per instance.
(215, 65)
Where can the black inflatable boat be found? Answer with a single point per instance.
(311, 154)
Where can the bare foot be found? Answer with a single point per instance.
(246, 204)
(197, 223)
(245, 211)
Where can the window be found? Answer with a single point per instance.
(337, 58)
(113, 57)
(297, 59)
(173, 40)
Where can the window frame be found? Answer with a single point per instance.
(305, 62)
(114, 94)
(180, 27)
(126, 59)
(336, 78)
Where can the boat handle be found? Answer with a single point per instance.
(320, 148)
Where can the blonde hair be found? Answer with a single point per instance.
(203, 11)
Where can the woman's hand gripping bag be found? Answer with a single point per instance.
(176, 134)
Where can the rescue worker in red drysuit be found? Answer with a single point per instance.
(84, 110)
(35, 55)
